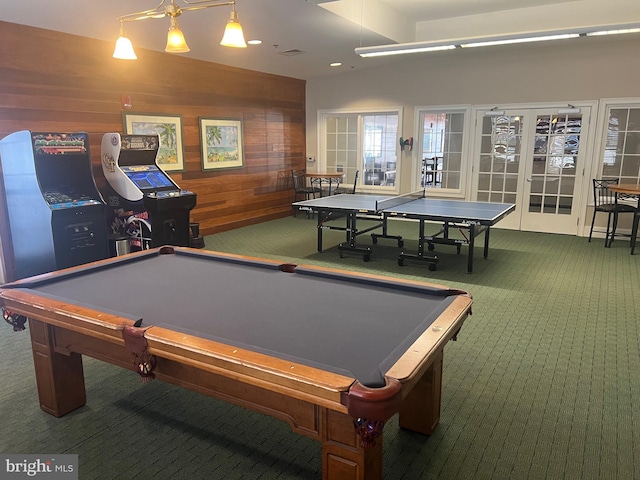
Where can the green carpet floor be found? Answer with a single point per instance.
(543, 382)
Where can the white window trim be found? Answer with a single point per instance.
(466, 164)
(321, 143)
(605, 105)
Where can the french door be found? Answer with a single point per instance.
(534, 158)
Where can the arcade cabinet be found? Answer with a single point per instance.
(146, 208)
(53, 215)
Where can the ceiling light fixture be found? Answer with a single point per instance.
(433, 46)
(613, 32)
(507, 41)
(233, 36)
(401, 49)
(176, 43)
(124, 47)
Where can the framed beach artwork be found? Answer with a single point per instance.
(221, 141)
(169, 130)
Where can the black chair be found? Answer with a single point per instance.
(628, 205)
(301, 188)
(634, 231)
(373, 177)
(431, 171)
(606, 202)
(351, 190)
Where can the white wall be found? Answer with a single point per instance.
(566, 71)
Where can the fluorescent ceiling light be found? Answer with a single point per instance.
(400, 49)
(613, 32)
(508, 41)
(450, 44)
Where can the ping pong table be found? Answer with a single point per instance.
(469, 218)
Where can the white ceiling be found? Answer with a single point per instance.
(323, 31)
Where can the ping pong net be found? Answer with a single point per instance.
(399, 200)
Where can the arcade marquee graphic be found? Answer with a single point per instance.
(59, 143)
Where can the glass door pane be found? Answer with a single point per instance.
(555, 160)
(442, 145)
(500, 158)
(379, 149)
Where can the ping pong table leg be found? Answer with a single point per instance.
(472, 237)
(352, 233)
(385, 234)
(486, 241)
(421, 238)
(320, 220)
(351, 230)
(431, 259)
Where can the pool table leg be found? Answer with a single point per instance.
(343, 458)
(59, 376)
(420, 410)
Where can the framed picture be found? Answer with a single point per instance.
(168, 128)
(221, 141)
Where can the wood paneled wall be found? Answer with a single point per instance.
(51, 81)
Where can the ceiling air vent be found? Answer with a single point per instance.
(291, 53)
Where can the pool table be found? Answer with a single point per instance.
(333, 353)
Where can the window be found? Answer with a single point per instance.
(364, 141)
(442, 139)
(621, 156)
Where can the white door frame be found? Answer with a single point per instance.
(588, 156)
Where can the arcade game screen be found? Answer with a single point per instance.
(149, 177)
